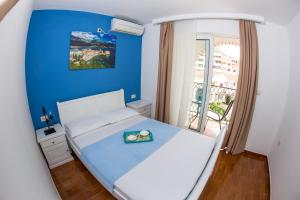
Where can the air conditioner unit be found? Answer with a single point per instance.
(123, 26)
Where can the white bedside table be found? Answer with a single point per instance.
(141, 106)
(54, 146)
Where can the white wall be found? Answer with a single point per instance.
(273, 75)
(284, 159)
(219, 27)
(272, 84)
(24, 174)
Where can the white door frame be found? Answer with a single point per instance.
(208, 72)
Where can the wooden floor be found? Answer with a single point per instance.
(242, 177)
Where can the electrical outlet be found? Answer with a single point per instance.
(43, 118)
(133, 96)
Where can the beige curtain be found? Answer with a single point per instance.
(162, 110)
(5, 6)
(244, 102)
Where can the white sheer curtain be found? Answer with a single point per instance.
(183, 71)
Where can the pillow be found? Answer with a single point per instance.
(78, 127)
(119, 114)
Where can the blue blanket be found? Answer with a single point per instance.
(111, 158)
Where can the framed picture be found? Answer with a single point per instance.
(92, 50)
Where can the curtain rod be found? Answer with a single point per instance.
(227, 16)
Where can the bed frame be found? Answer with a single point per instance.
(105, 102)
(198, 188)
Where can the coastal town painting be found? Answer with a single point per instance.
(92, 50)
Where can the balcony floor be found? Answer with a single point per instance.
(212, 128)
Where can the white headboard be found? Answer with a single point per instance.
(91, 105)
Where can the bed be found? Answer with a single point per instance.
(175, 165)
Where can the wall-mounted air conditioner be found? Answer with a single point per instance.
(123, 26)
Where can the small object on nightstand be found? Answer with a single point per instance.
(141, 106)
(48, 119)
(54, 146)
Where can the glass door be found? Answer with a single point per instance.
(214, 83)
(202, 82)
(226, 58)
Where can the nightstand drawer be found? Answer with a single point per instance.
(146, 114)
(144, 109)
(60, 153)
(53, 141)
(54, 146)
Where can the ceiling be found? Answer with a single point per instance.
(143, 11)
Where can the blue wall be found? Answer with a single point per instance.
(48, 78)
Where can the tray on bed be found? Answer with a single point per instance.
(139, 137)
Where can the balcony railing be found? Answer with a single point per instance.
(218, 94)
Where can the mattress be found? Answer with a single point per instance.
(168, 173)
(94, 136)
(171, 172)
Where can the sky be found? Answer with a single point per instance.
(230, 50)
(95, 36)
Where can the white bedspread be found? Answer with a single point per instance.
(168, 174)
(171, 172)
(103, 132)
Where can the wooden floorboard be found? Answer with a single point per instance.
(241, 177)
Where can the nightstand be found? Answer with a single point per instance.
(141, 106)
(54, 146)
